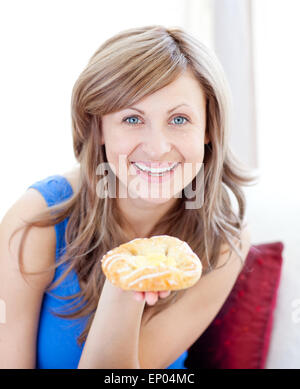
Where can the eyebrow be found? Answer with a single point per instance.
(170, 110)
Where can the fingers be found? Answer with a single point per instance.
(151, 297)
(139, 296)
(164, 294)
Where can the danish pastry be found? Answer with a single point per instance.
(152, 264)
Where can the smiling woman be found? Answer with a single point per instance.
(155, 143)
(154, 70)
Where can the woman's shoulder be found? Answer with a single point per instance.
(39, 246)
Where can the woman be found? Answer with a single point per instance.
(150, 99)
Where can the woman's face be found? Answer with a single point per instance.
(162, 129)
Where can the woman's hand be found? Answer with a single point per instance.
(151, 297)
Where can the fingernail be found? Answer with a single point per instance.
(138, 297)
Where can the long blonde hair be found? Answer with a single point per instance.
(128, 66)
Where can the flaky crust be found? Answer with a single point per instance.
(152, 264)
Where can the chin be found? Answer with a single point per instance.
(153, 200)
(160, 200)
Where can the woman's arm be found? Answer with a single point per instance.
(22, 299)
(113, 339)
(117, 339)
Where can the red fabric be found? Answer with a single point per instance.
(239, 336)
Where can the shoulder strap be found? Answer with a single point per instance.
(55, 189)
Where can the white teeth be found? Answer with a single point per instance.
(155, 171)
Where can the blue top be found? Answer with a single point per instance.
(57, 346)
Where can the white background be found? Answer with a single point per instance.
(44, 47)
(274, 204)
(46, 44)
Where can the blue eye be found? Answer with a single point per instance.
(130, 117)
(182, 117)
(135, 117)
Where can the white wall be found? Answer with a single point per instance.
(233, 45)
(44, 47)
(198, 20)
(274, 205)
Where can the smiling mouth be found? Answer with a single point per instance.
(155, 171)
(155, 165)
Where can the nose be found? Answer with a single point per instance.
(156, 144)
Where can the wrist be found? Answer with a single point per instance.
(116, 294)
(113, 339)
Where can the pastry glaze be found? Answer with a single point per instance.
(152, 264)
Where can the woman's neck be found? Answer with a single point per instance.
(141, 216)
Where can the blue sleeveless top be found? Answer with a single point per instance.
(57, 346)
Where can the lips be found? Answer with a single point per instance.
(156, 165)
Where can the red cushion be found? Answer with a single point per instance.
(239, 336)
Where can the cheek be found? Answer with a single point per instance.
(193, 154)
(193, 150)
(115, 148)
(116, 140)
